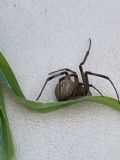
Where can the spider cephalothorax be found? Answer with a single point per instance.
(71, 89)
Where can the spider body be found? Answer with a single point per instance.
(64, 89)
(68, 89)
(71, 89)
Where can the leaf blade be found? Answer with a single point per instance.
(8, 79)
(7, 150)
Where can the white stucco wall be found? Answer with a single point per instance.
(39, 36)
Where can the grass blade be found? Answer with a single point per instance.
(7, 79)
(7, 150)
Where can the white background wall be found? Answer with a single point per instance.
(39, 36)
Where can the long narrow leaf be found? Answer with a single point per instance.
(6, 143)
(7, 79)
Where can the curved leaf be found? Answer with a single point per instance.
(7, 79)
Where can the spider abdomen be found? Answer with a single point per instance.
(64, 89)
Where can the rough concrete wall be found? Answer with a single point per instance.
(39, 36)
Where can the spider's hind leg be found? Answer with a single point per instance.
(102, 76)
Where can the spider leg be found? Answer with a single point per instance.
(50, 78)
(64, 69)
(90, 85)
(84, 60)
(102, 76)
(70, 75)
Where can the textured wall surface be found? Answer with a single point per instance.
(39, 36)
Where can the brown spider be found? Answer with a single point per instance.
(69, 89)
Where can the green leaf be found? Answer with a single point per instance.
(7, 79)
(7, 150)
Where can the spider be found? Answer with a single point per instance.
(71, 89)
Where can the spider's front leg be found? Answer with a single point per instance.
(64, 69)
(50, 78)
(83, 62)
